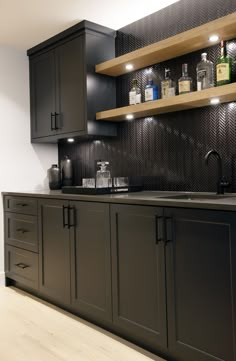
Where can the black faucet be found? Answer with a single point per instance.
(222, 183)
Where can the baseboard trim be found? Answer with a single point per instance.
(2, 279)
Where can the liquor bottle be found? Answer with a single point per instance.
(205, 73)
(135, 93)
(185, 82)
(167, 86)
(151, 90)
(223, 68)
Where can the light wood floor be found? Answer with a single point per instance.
(32, 330)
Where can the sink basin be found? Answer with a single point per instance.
(192, 197)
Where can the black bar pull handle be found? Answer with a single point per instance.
(159, 229)
(21, 265)
(53, 127)
(22, 204)
(22, 230)
(64, 211)
(57, 115)
(168, 229)
(72, 217)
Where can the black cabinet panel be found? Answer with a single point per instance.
(22, 205)
(42, 91)
(71, 86)
(138, 268)
(21, 231)
(91, 261)
(22, 266)
(201, 285)
(54, 252)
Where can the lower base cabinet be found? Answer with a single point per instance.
(175, 269)
(164, 278)
(201, 284)
(91, 261)
(54, 251)
(75, 262)
(139, 294)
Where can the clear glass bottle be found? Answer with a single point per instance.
(185, 82)
(135, 93)
(151, 90)
(103, 175)
(205, 73)
(168, 86)
(224, 66)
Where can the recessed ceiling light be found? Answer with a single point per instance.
(129, 67)
(70, 140)
(214, 38)
(129, 116)
(215, 101)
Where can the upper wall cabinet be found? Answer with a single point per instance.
(65, 91)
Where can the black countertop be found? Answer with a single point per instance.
(148, 198)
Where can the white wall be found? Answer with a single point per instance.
(23, 166)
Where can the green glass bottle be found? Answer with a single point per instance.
(223, 68)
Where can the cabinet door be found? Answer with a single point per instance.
(42, 93)
(201, 258)
(138, 270)
(54, 251)
(91, 263)
(71, 86)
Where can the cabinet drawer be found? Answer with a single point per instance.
(20, 205)
(21, 231)
(22, 266)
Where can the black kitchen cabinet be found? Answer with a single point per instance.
(65, 91)
(43, 98)
(162, 277)
(201, 275)
(74, 256)
(139, 295)
(54, 251)
(91, 261)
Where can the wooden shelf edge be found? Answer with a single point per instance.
(197, 99)
(180, 44)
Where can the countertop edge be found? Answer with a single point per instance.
(145, 198)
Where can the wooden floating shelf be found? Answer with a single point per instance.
(172, 47)
(197, 99)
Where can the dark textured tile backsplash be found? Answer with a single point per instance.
(167, 151)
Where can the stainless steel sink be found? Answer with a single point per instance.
(199, 197)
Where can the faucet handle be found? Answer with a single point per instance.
(224, 183)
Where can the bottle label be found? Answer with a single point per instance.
(222, 72)
(132, 98)
(199, 85)
(184, 86)
(165, 89)
(202, 78)
(138, 98)
(171, 92)
(148, 94)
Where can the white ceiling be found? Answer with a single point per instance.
(25, 23)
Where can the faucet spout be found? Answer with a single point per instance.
(213, 152)
(221, 181)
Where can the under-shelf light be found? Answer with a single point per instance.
(70, 140)
(215, 101)
(213, 38)
(129, 67)
(129, 116)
